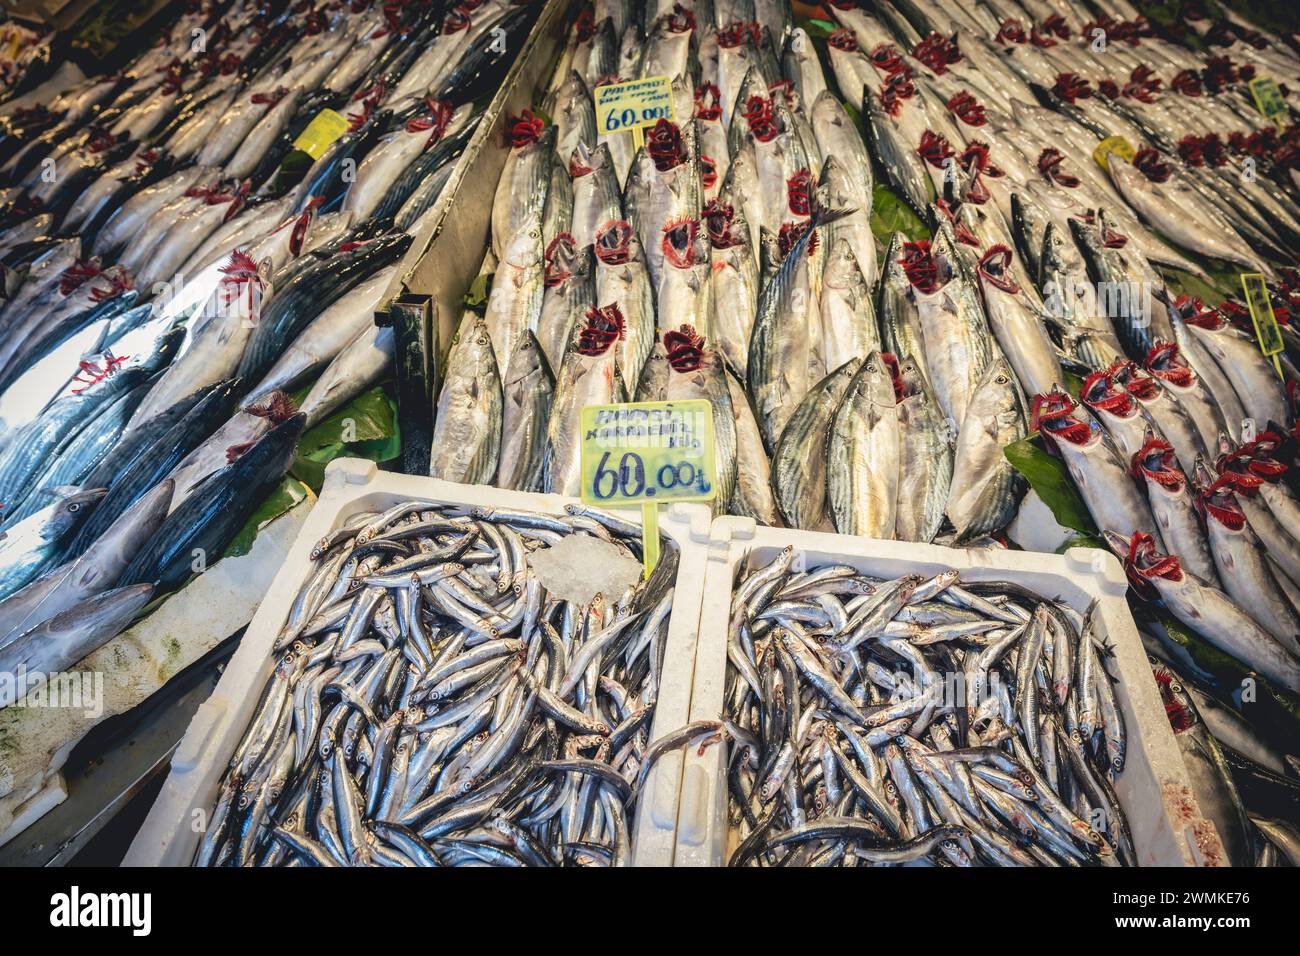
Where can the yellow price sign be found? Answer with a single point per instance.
(1269, 99)
(644, 453)
(634, 105)
(1261, 314)
(325, 128)
(1109, 145)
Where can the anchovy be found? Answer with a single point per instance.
(528, 748)
(823, 769)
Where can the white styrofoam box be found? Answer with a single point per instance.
(170, 835)
(1167, 827)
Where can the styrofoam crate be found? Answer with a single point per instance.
(169, 836)
(1167, 827)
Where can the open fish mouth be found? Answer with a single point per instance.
(613, 245)
(1156, 461)
(679, 242)
(604, 326)
(685, 348)
(995, 266)
(1052, 415)
(1100, 393)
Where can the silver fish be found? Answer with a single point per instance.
(467, 427)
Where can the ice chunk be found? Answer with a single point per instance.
(580, 567)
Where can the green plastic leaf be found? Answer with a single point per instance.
(890, 214)
(364, 428)
(817, 29)
(1223, 285)
(309, 467)
(542, 115)
(366, 417)
(1081, 540)
(1050, 480)
(288, 494)
(479, 290)
(378, 449)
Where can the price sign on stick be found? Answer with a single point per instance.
(1261, 313)
(640, 454)
(1269, 99)
(634, 105)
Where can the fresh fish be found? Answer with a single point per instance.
(68, 637)
(198, 531)
(864, 450)
(1098, 470)
(1174, 507)
(217, 340)
(596, 196)
(1251, 374)
(521, 193)
(753, 494)
(624, 281)
(1241, 561)
(570, 293)
(517, 291)
(589, 375)
(848, 317)
(735, 283)
(781, 343)
(1176, 210)
(527, 393)
(1216, 794)
(467, 426)
(926, 457)
(954, 331)
(322, 341)
(96, 571)
(363, 364)
(1016, 325)
(1205, 609)
(897, 780)
(799, 466)
(26, 546)
(983, 494)
(437, 773)
(697, 372)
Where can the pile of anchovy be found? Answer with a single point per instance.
(917, 720)
(435, 704)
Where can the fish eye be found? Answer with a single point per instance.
(74, 507)
(1001, 380)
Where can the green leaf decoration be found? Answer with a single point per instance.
(1049, 478)
(288, 494)
(890, 214)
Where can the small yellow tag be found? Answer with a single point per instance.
(1261, 314)
(320, 132)
(633, 105)
(1112, 144)
(1269, 99)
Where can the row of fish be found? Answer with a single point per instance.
(168, 281)
(734, 252)
(435, 704)
(1176, 441)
